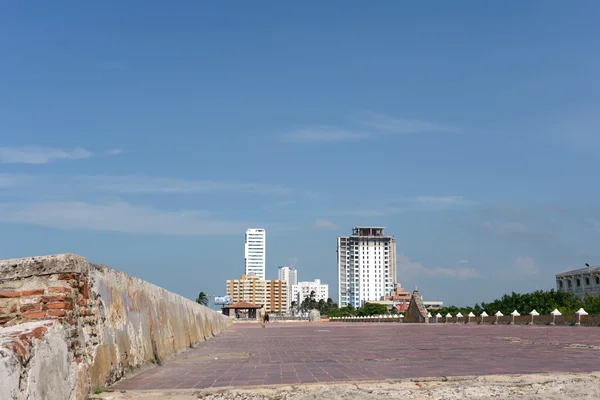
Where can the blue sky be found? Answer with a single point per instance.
(149, 135)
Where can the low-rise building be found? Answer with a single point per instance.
(302, 290)
(580, 281)
(270, 293)
(400, 298)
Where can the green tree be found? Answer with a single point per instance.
(309, 302)
(328, 307)
(372, 309)
(202, 299)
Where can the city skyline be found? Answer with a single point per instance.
(150, 135)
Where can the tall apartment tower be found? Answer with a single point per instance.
(255, 251)
(290, 277)
(366, 266)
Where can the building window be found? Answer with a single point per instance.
(569, 284)
(598, 280)
(587, 281)
(578, 282)
(560, 284)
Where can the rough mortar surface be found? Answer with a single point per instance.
(35, 362)
(523, 387)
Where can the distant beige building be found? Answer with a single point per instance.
(580, 281)
(270, 293)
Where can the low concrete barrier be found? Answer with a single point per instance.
(559, 320)
(111, 323)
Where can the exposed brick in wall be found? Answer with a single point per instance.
(60, 297)
(21, 341)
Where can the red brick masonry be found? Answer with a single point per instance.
(20, 339)
(60, 297)
(297, 353)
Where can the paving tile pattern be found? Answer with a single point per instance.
(247, 354)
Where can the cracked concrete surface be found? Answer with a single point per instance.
(523, 387)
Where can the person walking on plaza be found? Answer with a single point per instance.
(263, 315)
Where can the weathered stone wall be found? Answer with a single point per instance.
(35, 363)
(112, 323)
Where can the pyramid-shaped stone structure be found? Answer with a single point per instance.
(416, 310)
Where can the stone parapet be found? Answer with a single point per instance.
(112, 324)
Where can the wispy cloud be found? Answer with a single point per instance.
(132, 184)
(113, 152)
(13, 180)
(526, 266)
(40, 155)
(507, 221)
(140, 184)
(438, 202)
(118, 217)
(323, 135)
(324, 225)
(278, 205)
(366, 126)
(424, 203)
(415, 268)
(45, 155)
(386, 124)
(361, 212)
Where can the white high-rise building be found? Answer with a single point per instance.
(302, 290)
(290, 277)
(366, 266)
(255, 251)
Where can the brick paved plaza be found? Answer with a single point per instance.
(294, 353)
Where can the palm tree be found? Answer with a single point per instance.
(202, 299)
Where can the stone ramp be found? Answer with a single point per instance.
(247, 355)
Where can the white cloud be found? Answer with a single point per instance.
(443, 200)
(12, 180)
(414, 268)
(324, 225)
(118, 217)
(44, 155)
(113, 152)
(368, 212)
(427, 203)
(148, 185)
(387, 124)
(526, 266)
(377, 124)
(39, 155)
(141, 184)
(506, 228)
(324, 135)
(463, 261)
(291, 262)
